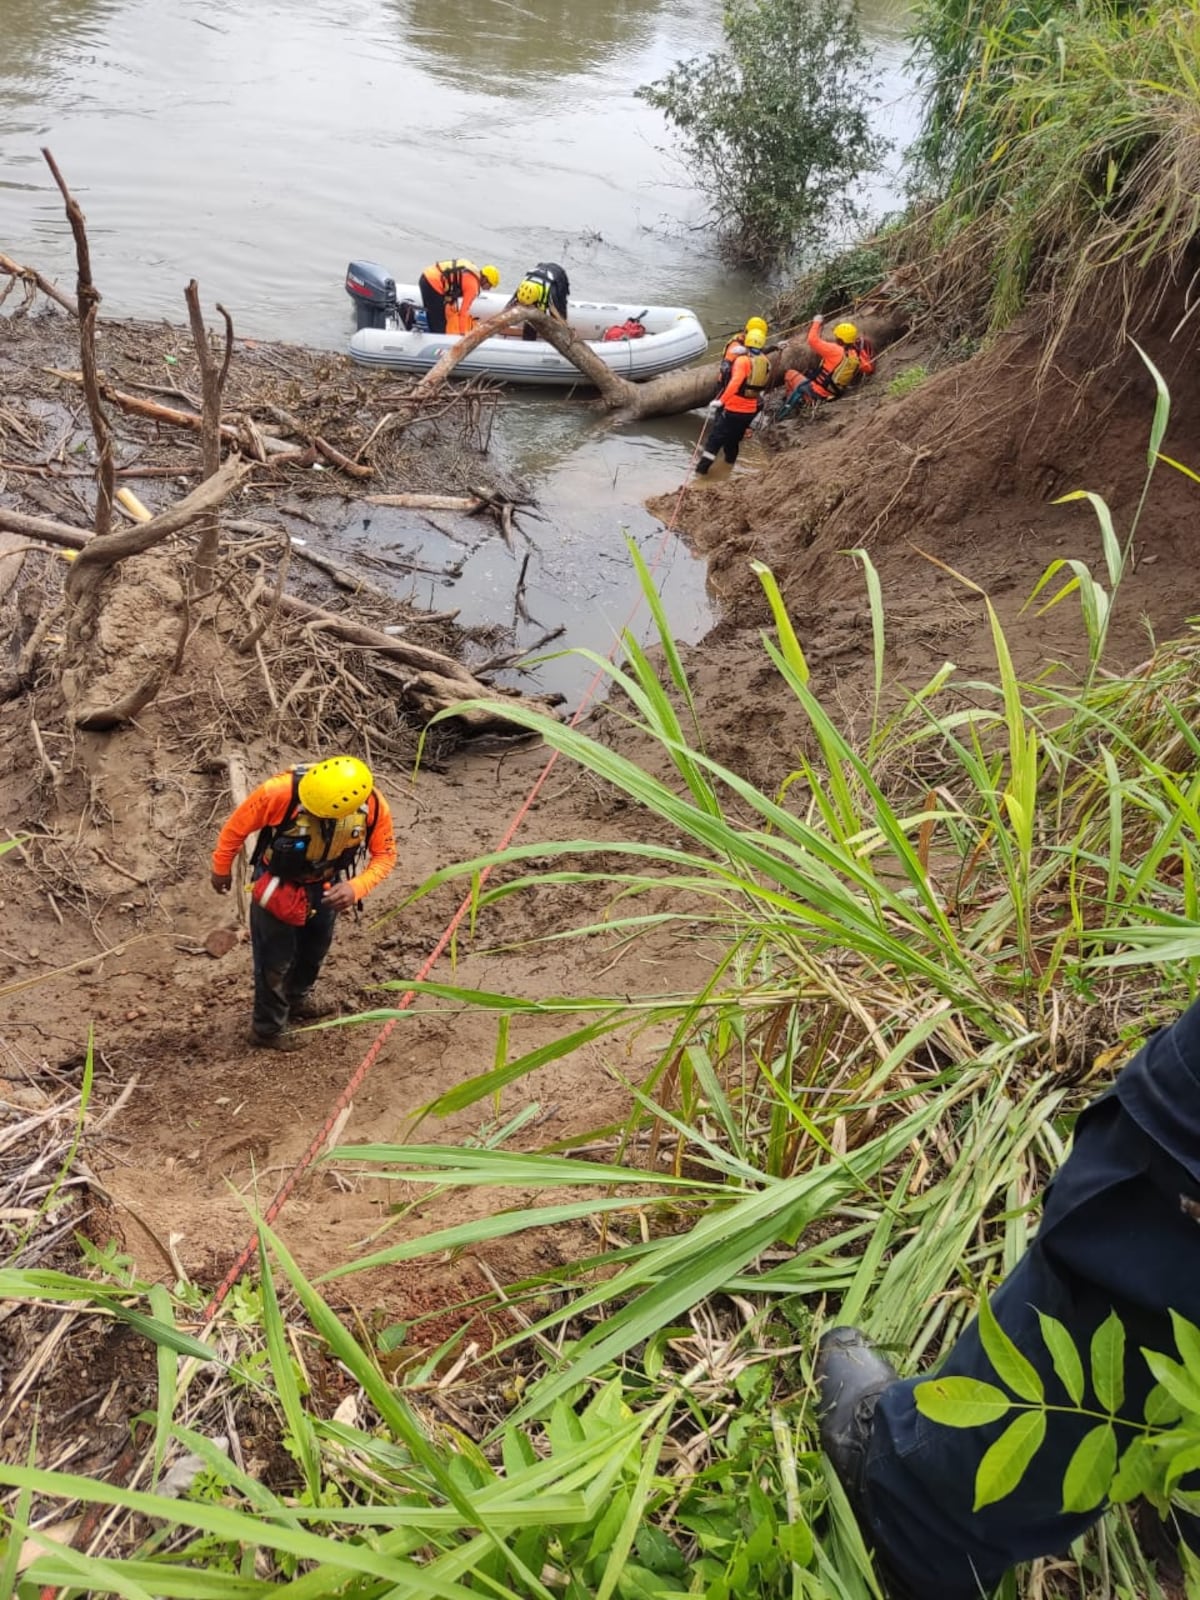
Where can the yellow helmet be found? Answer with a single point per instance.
(335, 787)
(755, 339)
(845, 333)
(528, 292)
(490, 276)
(756, 322)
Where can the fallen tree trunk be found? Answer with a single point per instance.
(665, 396)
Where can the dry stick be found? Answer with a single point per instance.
(519, 610)
(250, 642)
(88, 297)
(326, 449)
(138, 407)
(32, 275)
(205, 563)
(469, 504)
(437, 681)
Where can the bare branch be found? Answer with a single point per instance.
(210, 431)
(144, 535)
(32, 275)
(88, 298)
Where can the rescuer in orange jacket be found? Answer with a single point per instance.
(744, 373)
(839, 362)
(448, 290)
(314, 825)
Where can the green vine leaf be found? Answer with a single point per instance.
(961, 1402)
(1137, 1472)
(1187, 1342)
(1004, 1463)
(1161, 1407)
(1067, 1363)
(1010, 1366)
(1108, 1364)
(1181, 1465)
(1175, 1379)
(1090, 1470)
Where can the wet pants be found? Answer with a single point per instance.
(434, 301)
(1114, 1236)
(727, 432)
(287, 960)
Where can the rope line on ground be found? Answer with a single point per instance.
(354, 1083)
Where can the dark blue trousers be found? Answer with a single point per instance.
(1114, 1236)
(286, 963)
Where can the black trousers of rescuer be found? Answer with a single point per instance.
(287, 960)
(1115, 1235)
(434, 301)
(727, 432)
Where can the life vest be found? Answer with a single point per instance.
(303, 848)
(732, 351)
(631, 328)
(541, 277)
(755, 381)
(836, 376)
(449, 280)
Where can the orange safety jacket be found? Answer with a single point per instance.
(830, 355)
(270, 804)
(747, 380)
(458, 280)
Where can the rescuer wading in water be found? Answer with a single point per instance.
(744, 373)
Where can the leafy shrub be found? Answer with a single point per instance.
(774, 126)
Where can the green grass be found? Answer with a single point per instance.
(1060, 154)
(918, 942)
(908, 381)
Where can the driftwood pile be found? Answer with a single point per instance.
(252, 442)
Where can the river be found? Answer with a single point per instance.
(259, 144)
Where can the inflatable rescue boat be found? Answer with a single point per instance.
(384, 338)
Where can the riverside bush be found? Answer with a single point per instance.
(774, 126)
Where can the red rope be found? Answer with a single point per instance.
(313, 1150)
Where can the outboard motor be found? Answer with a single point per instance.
(373, 290)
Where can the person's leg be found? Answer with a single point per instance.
(273, 946)
(714, 442)
(312, 946)
(739, 423)
(434, 302)
(1113, 1237)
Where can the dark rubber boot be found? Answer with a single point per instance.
(311, 1005)
(288, 1043)
(851, 1375)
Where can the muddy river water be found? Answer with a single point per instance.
(259, 144)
